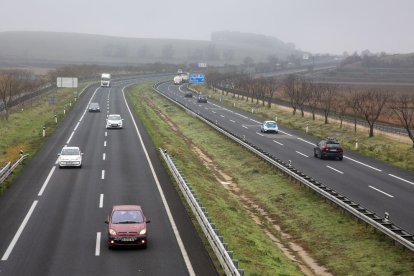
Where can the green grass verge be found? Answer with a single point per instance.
(336, 240)
(395, 150)
(24, 127)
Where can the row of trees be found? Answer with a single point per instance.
(301, 93)
(13, 85)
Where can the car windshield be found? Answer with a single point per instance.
(133, 216)
(70, 152)
(271, 124)
(114, 117)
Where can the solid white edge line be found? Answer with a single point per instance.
(103, 174)
(382, 192)
(285, 133)
(76, 127)
(402, 179)
(334, 169)
(305, 141)
(164, 201)
(298, 152)
(19, 232)
(70, 137)
(46, 181)
(278, 142)
(101, 198)
(98, 244)
(363, 164)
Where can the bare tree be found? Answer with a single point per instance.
(371, 105)
(314, 98)
(403, 107)
(341, 107)
(272, 84)
(291, 90)
(327, 96)
(305, 90)
(353, 101)
(8, 88)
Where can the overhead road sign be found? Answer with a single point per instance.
(67, 82)
(197, 78)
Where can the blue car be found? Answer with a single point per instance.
(269, 126)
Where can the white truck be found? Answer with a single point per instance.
(178, 79)
(185, 76)
(105, 80)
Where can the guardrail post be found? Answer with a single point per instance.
(44, 131)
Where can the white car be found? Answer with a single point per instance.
(70, 157)
(114, 121)
(269, 126)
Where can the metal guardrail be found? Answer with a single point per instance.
(9, 168)
(382, 224)
(212, 234)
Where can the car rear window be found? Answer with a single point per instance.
(332, 145)
(132, 216)
(271, 124)
(70, 152)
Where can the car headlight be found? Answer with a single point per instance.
(143, 232)
(112, 232)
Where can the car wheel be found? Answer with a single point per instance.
(340, 158)
(315, 154)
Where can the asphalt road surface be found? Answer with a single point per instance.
(52, 220)
(375, 185)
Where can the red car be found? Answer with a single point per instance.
(127, 226)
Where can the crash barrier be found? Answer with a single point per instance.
(210, 230)
(9, 168)
(383, 224)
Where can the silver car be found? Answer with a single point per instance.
(114, 121)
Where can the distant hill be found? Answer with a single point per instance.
(53, 49)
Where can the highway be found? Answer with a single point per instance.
(52, 220)
(373, 184)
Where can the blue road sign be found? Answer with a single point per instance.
(197, 78)
(52, 100)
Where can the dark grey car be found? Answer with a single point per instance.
(201, 99)
(94, 107)
(328, 148)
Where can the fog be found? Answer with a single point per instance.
(318, 26)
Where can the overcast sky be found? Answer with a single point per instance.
(318, 26)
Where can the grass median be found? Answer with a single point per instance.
(258, 210)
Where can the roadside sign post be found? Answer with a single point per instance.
(197, 78)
